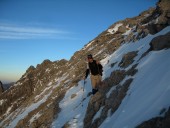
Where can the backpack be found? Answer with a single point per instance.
(100, 68)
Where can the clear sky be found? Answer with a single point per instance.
(34, 30)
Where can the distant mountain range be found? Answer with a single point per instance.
(7, 86)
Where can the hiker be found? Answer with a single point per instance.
(95, 69)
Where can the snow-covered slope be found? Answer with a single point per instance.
(147, 95)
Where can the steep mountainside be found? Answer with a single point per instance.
(1, 88)
(135, 55)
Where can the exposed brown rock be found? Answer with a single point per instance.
(94, 105)
(122, 29)
(132, 71)
(119, 94)
(160, 42)
(73, 95)
(164, 6)
(30, 69)
(128, 59)
(157, 122)
(115, 78)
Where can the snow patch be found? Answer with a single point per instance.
(18, 83)
(2, 101)
(88, 45)
(127, 32)
(115, 29)
(98, 114)
(47, 70)
(73, 110)
(110, 91)
(36, 116)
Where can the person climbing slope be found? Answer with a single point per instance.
(95, 69)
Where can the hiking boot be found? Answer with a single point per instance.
(94, 91)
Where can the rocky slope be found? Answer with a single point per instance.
(7, 86)
(36, 99)
(1, 88)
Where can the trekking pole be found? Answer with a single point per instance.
(83, 92)
(83, 89)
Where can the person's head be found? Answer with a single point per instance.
(90, 58)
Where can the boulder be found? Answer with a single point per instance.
(73, 95)
(160, 42)
(122, 29)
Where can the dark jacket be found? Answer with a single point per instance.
(94, 68)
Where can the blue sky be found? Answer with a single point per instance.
(34, 30)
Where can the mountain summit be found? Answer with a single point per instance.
(135, 84)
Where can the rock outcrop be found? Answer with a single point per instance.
(101, 101)
(160, 42)
(128, 59)
(1, 88)
(158, 122)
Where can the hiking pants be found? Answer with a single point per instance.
(96, 81)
